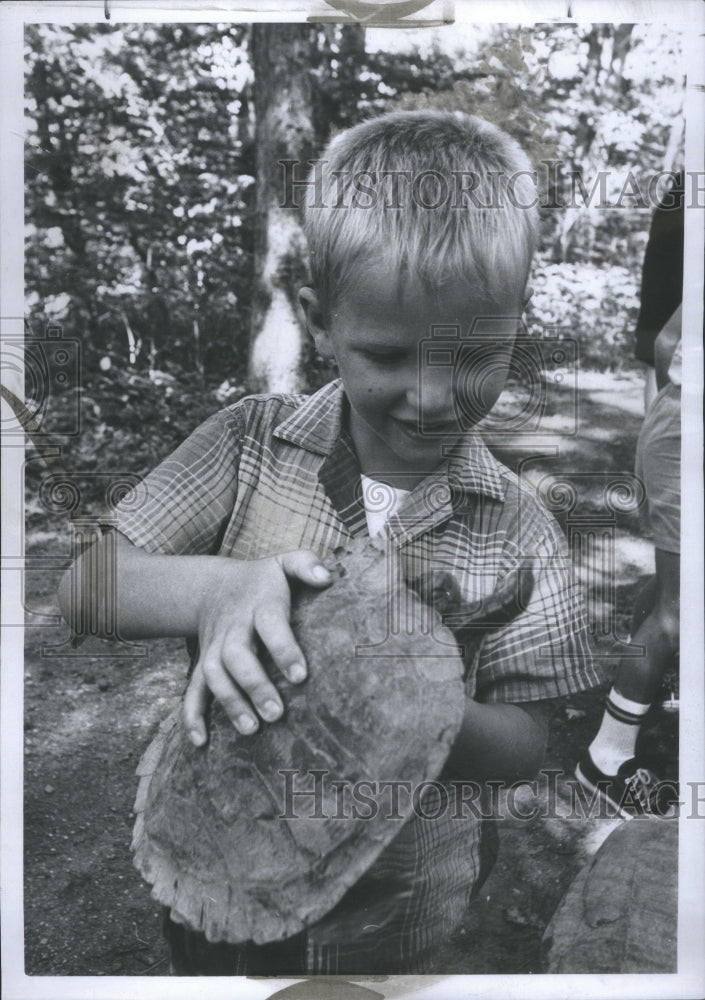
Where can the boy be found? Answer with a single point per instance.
(420, 247)
(610, 767)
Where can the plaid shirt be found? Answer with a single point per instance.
(275, 473)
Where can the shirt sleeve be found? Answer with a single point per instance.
(184, 505)
(545, 652)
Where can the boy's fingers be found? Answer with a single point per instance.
(273, 628)
(194, 707)
(247, 672)
(305, 566)
(236, 706)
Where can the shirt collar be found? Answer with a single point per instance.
(316, 426)
(317, 423)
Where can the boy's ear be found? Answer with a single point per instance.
(315, 323)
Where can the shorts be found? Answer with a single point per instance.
(658, 466)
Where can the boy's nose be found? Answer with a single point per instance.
(431, 394)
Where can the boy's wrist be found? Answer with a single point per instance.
(219, 578)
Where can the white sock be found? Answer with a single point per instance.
(616, 740)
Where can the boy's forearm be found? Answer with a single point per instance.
(233, 606)
(499, 741)
(153, 595)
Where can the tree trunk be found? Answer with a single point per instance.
(281, 57)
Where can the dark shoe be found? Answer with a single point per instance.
(632, 791)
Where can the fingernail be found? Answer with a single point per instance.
(271, 710)
(196, 737)
(246, 724)
(321, 574)
(297, 673)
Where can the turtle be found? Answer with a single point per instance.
(254, 838)
(620, 915)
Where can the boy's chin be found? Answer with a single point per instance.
(424, 450)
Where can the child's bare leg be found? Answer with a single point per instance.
(643, 605)
(638, 678)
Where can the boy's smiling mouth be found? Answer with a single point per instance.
(424, 428)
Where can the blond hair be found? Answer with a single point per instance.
(447, 194)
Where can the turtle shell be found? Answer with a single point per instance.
(219, 834)
(620, 915)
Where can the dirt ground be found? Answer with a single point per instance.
(89, 714)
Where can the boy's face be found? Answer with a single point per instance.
(413, 395)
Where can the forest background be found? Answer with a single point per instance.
(149, 194)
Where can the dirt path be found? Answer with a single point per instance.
(89, 715)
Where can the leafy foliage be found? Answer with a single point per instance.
(600, 105)
(139, 179)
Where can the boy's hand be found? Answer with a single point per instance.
(249, 604)
(470, 623)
